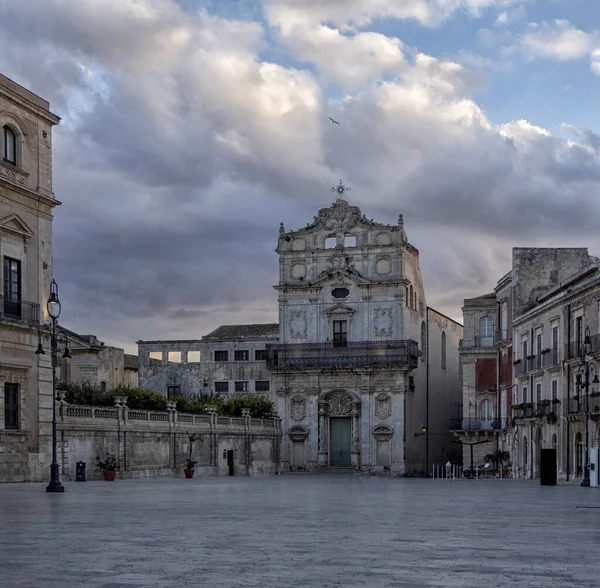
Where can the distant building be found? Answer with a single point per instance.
(93, 361)
(26, 212)
(230, 359)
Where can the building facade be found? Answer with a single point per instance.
(94, 362)
(26, 210)
(484, 419)
(554, 313)
(230, 359)
(521, 390)
(364, 373)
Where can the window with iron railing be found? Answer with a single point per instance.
(11, 406)
(340, 333)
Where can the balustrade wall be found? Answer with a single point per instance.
(156, 443)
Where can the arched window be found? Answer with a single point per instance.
(10, 145)
(486, 331)
(103, 387)
(443, 350)
(423, 342)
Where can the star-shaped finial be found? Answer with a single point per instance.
(340, 190)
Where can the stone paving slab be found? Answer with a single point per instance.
(300, 531)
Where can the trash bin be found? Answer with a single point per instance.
(80, 471)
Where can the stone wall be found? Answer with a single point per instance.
(156, 444)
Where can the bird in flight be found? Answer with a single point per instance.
(335, 122)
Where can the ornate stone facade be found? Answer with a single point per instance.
(350, 368)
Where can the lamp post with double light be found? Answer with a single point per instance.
(53, 307)
(587, 369)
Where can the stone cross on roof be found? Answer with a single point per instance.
(340, 190)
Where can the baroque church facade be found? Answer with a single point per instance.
(364, 375)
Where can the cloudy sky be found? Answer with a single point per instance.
(191, 128)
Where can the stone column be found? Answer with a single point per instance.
(322, 435)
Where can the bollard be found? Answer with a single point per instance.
(80, 473)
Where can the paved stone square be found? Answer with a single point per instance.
(299, 530)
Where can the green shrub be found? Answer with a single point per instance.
(260, 406)
(139, 399)
(85, 393)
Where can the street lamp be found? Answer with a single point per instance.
(53, 307)
(589, 367)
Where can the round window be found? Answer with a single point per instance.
(340, 292)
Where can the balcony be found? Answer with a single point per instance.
(551, 358)
(385, 354)
(575, 349)
(19, 310)
(577, 404)
(475, 424)
(501, 336)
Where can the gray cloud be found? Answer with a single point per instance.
(180, 152)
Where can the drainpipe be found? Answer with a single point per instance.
(427, 394)
(531, 424)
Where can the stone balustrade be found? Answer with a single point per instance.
(124, 416)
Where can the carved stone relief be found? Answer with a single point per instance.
(383, 323)
(382, 406)
(298, 408)
(298, 245)
(298, 324)
(298, 433)
(298, 271)
(383, 266)
(383, 239)
(383, 433)
(340, 404)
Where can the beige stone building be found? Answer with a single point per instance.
(26, 209)
(93, 361)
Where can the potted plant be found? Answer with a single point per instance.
(544, 402)
(555, 401)
(516, 362)
(594, 394)
(108, 466)
(190, 464)
(551, 418)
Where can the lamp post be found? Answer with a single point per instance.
(588, 368)
(53, 307)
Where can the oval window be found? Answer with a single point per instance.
(340, 292)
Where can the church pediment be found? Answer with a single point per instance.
(13, 223)
(339, 277)
(339, 309)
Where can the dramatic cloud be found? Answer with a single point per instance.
(559, 40)
(187, 137)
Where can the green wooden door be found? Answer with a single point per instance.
(340, 430)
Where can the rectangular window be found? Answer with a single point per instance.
(554, 345)
(525, 350)
(340, 333)
(193, 357)
(12, 287)
(173, 391)
(241, 386)
(538, 392)
(579, 334)
(221, 387)
(241, 355)
(11, 406)
(260, 355)
(261, 386)
(554, 394)
(524, 394)
(221, 356)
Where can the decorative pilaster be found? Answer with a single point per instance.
(322, 436)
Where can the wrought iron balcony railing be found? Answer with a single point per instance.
(477, 424)
(356, 354)
(575, 349)
(551, 358)
(20, 310)
(577, 404)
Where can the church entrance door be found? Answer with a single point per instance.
(340, 430)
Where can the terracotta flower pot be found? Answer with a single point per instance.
(188, 473)
(109, 476)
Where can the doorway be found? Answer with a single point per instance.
(340, 430)
(230, 461)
